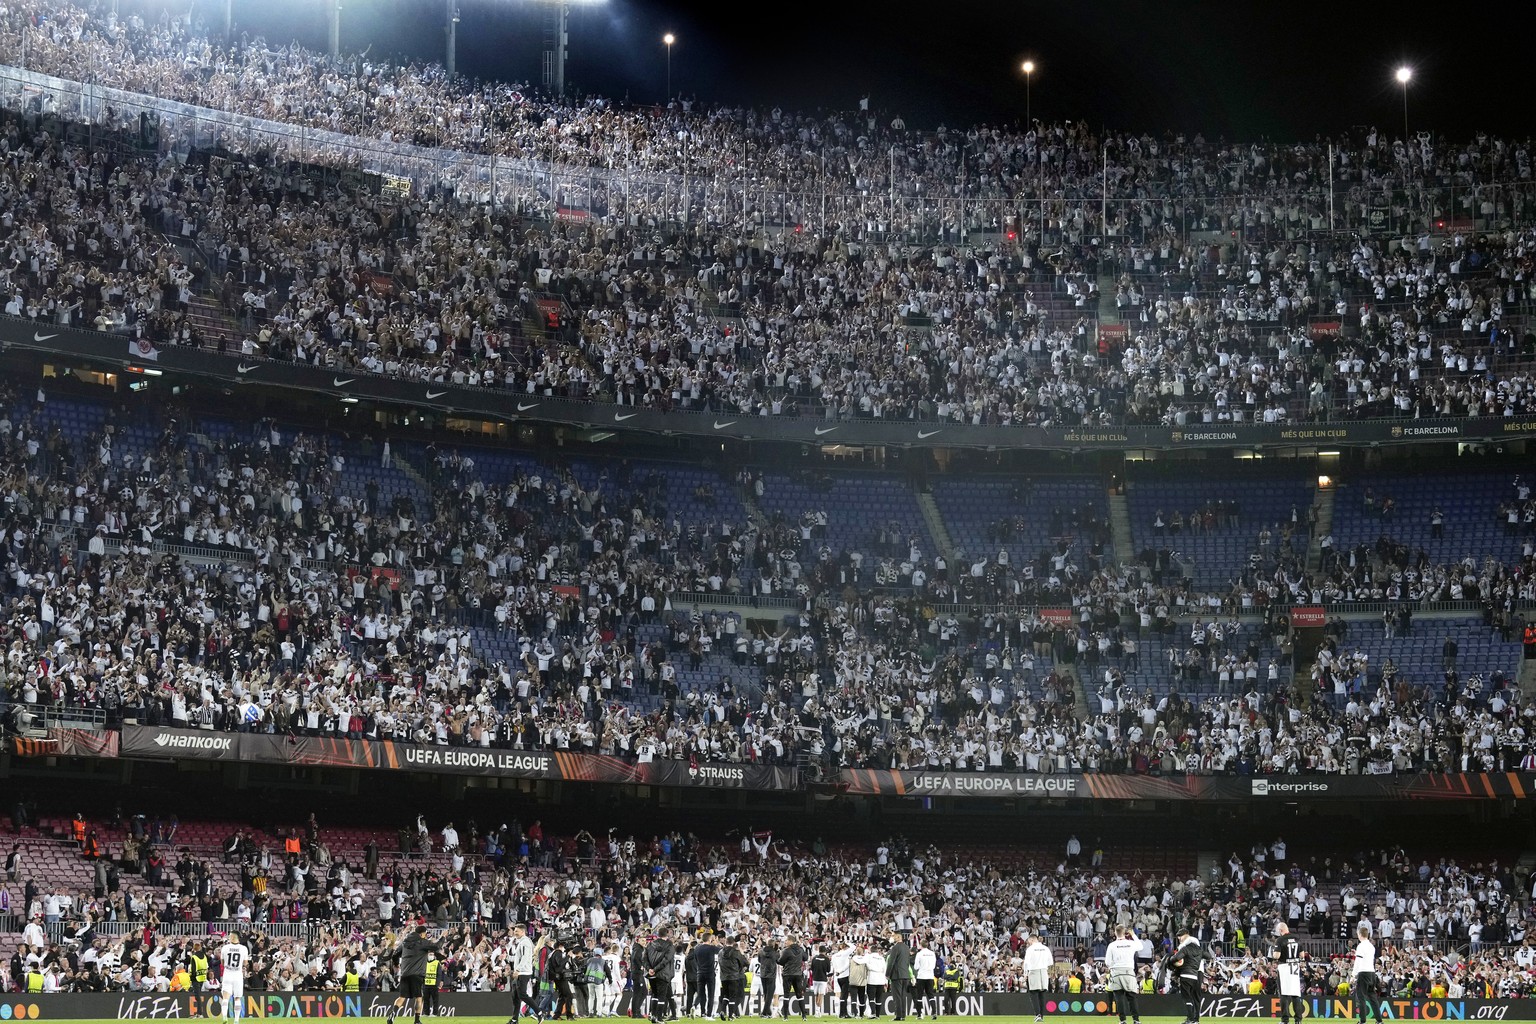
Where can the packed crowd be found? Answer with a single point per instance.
(731, 321)
(1441, 923)
(166, 55)
(341, 610)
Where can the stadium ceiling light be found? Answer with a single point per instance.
(1404, 74)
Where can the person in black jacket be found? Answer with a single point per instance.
(898, 969)
(559, 969)
(637, 998)
(413, 952)
(659, 969)
(767, 973)
(792, 962)
(733, 979)
(701, 972)
(1187, 965)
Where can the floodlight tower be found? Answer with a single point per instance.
(453, 37)
(333, 14)
(557, 38)
(1404, 75)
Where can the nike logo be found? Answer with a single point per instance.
(43, 337)
(620, 417)
(524, 408)
(242, 369)
(824, 430)
(337, 382)
(722, 426)
(435, 394)
(923, 435)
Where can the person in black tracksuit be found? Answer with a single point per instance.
(768, 973)
(792, 963)
(637, 996)
(733, 979)
(701, 970)
(660, 965)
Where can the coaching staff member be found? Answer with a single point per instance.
(1187, 965)
(413, 952)
(898, 968)
(660, 966)
(733, 979)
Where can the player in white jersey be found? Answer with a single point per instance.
(613, 984)
(1362, 975)
(1288, 956)
(234, 957)
(1120, 963)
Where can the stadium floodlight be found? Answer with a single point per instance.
(1028, 67)
(669, 39)
(557, 37)
(1404, 76)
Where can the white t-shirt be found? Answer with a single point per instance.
(1120, 956)
(1365, 958)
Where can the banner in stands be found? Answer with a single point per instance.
(1291, 788)
(110, 352)
(67, 743)
(1307, 616)
(316, 1005)
(202, 745)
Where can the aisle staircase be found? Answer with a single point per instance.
(1324, 505)
(1109, 313)
(1528, 681)
(936, 528)
(1120, 526)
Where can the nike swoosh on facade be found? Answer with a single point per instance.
(620, 417)
(924, 435)
(435, 394)
(524, 408)
(337, 382)
(42, 337)
(824, 430)
(722, 426)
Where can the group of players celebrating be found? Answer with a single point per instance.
(894, 976)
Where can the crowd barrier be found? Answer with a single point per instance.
(315, 1005)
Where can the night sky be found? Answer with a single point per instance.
(1241, 71)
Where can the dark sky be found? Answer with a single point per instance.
(1240, 70)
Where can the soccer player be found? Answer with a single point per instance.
(1120, 962)
(1186, 964)
(1038, 959)
(233, 959)
(1362, 975)
(1287, 955)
